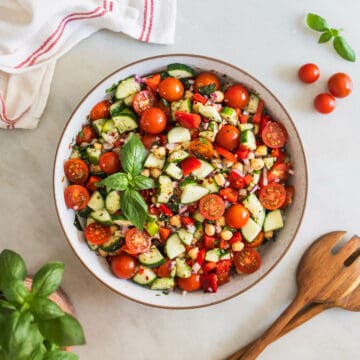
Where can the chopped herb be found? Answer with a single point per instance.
(207, 90)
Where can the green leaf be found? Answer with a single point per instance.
(142, 182)
(60, 355)
(12, 266)
(77, 223)
(63, 331)
(134, 207)
(6, 305)
(207, 89)
(38, 353)
(324, 37)
(133, 155)
(118, 181)
(16, 292)
(316, 22)
(344, 49)
(45, 309)
(334, 32)
(47, 279)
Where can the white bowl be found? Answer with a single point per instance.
(271, 253)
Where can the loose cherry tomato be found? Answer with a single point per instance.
(202, 147)
(97, 234)
(340, 85)
(109, 162)
(279, 172)
(86, 135)
(164, 269)
(211, 207)
(124, 266)
(100, 110)
(309, 73)
(290, 191)
(136, 241)
(76, 197)
(272, 196)
(191, 283)
(274, 135)
(171, 89)
(153, 121)
(76, 170)
(206, 78)
(324, 103)
(236, 216)
(256, 242)
(90, 184)
(228, 137)
(148, 140)
(143, 100)
(236, 96)
(247, 261)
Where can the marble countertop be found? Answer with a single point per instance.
(269, 40)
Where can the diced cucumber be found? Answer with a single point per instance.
(247, 138)
(165, 188)
(108, 125)
(192, 193)
(127, 87)
(213, 255)
(180, 71)
(251, 230)
(204, 170)
(229, 114)
(269, 162)
(213, 126)
(174, 247)
(125, 121)
(93, 155)
(152, 258)
(185, 236)
(183, 270)
(252, 104)
(174, 171)
(120, 220)
(89, 221)
(113, 244)
(246, 126)
(181, 105)
(210, 135)
(255, 179)
(112, 202)
(209, 112)
(178, 135)
(75, 154)
(211, 185)
(96, 201)
(273, 221)
(97, 125)
(199, 233)
(225, 255)
(198, 217)
(178, 156)
(116, 107)
(154, 162)
(163, 283)
(129, 100)
(144, 276)
(84, 213)
(102, 216)
(91, 246)
(152, 228)
(256, 209)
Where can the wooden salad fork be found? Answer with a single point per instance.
(321, 277)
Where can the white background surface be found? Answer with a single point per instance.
(269, 40)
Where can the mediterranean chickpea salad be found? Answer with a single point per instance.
(178, 178)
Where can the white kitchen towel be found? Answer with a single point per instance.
(35, 33)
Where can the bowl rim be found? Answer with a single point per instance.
(204, 57)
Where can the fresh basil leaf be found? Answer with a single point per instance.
(133, 155)
(16, 292)
(63, 331)
(207, 90)
(335, 32)
(47, 279)
(38, 353)
(134, 207)
(118, 181)
(60, 355)
(77, 223)
(6, 305)
(316, 22)
(344, 49)
(12, 266)
(111, 88)
(45, 309)
(142, 182)
(325, 37)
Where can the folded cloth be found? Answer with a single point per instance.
(35, 33)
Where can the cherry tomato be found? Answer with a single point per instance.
(109, 162)
(205, 79)
(124, 266)
(272, 196)
(236, 216)
(143, 100)
(136, 241)
(211, 207)
(164, 269)
(279, 172)
(100, 110)
(274, 135)
(153, 81)
(340, 85)
(90, 184)
(228, 137)
(164, 106)
(247, 261)
(236, 96)
(86, 135)
(148, 140)
(256, 242)
(171, 89)
(290, 191)
(153, 121)
(97, 234)
(76, 197)
(191, 283)
(309, 73)
(76, 170)
(324, 103)
(202, 147)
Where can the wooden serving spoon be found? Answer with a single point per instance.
(321, 277)
(350, 302)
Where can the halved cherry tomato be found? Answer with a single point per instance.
(290, 191)
(76, 197)
(201, 256)
(236, 180)
(153, 121)
(153, 81)
(109, 162)
(124, 266)
(309, 73)
(340, 85)
(164, 234)
(248, 179)
(187, 221)
(202, 147)
(97, 234)
(171, 89)
(211, 207)
(90, 184)
(148, 140)
(324, 103)
(208, 267)
(272, 196)
(226, 154)
(257, 117)
(236, 96)
(228, 137)
(236, 216)
(165, 210)
(164, 269)
(209, 282)
(136, 241)
(85, 135)
(274, 135)
(256, 242)
(199, 98)
(189, 165)
(143, 100)
(243, 152)
(100, 110)
(229, 194)
(189, 121)
(279, 172)
(209, 241)
(76, 170)
(191, 283)
(206, 78)
(247, 261)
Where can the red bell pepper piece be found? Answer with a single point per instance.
(201, 256)
(236, 180)
(165, 210)
(243, 118)
(153, 81)
(223, 244)
(209, 241)
(257, 117)
(229, 156)
(264, 120)
(187, 120)
(189, 165)
(154, 210)
(164, 234)
(222, 271)
(209, 282)
(229, 194)
(186, 221)
(90, 184)
(199, 98)
(243, 152)
(248, 179)
(209, 266)
(235, 238)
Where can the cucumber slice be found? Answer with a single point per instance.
(256, 209)
(96, 201)
(174, 171)
(129, 100)
(269, 162)
(251, 230)
(198, 217)
(91, 246)
(185, 236)
(199, 232)
(120, 220)
(211, 185)
(229, 114)
(204, 170)
(178, 156)
(116, 107)
(183, 270)
(247, 138)
(209, 112)
(192, 193)
(181, 105)
(246, 126)
(152, 228)
(127, 87)
(210, 135)
(252, 104)
(125, 121)
(255, 179)
(178, 135)
(93, 155)
(144, 276)
(113, 244)
(166, 189)
(97, 125)
(153, 162)
(213, 255)
(225, 255)
(273, 221)
(108, 125)
(112, 202)
(102, 216)
(163, 283)
(174, 247)
(152, 258)
(180, 71)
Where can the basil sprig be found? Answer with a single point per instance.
(317, 23)
(130, 181)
